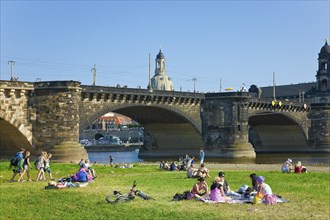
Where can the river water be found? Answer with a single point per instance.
(132, 157)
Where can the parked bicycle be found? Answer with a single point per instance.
(118, 197)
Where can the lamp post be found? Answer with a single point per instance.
(194, 79)
(303, 96)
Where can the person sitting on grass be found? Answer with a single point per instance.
(300, 168)
(173, 166)
(264, 192)
(226, 188)
(287, 166)
(203, 171)
(200, 190)
(217, 194)
(192, 172)
(89, 168)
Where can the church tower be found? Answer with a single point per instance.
(160, 81)
(319, 132)
(323, 73)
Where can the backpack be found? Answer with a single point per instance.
(14, 161)
(184, 195)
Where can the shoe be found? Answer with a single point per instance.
(11, 181)
(23, 181)
(52, 179)
(30, 180)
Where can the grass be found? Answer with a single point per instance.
(309, 196)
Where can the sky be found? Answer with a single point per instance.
(232, 42)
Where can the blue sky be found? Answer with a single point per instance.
(235, 41)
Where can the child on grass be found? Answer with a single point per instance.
(47, 165)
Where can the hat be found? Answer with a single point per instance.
(289, 160)
(221, 174)
(200, 179)
(260, 179)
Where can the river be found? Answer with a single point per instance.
(132, 157)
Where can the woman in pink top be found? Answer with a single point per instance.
(217, 193)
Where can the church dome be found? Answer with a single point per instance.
(325, 48)
(160, 55)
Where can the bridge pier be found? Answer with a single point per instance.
(225, 125)
(57, 121)
(319, 136)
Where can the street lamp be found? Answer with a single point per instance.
(194, 79)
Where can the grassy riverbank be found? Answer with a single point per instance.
(309, 195)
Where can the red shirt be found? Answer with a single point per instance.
(297, 169)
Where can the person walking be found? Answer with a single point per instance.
(201, 154)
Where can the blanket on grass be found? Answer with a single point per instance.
(243, 200)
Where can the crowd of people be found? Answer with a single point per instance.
(220, 191)
(258, 192)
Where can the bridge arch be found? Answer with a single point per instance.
(143, 114)
(13, 136)
(169, 129)
(277, 132)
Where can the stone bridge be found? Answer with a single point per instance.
(237, 125)
(50, 115)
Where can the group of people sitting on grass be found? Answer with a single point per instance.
(259, 192)
(21, 165)
(288, 167)
(183, 164)
(81, 178)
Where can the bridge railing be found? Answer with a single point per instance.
(283, 102)
(137, 91)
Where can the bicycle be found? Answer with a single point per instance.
(118, 197)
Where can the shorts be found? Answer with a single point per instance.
(26, 167)
(48, 170)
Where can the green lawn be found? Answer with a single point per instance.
(309, 196)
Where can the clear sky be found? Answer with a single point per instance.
(235, 41)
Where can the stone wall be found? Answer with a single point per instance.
(15, 110)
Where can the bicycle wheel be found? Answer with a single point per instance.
(112, 199)
(144, 195)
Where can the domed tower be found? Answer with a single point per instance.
(323, 73)
(160, 81)
(319, 132)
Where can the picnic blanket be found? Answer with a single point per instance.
(243, 200)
